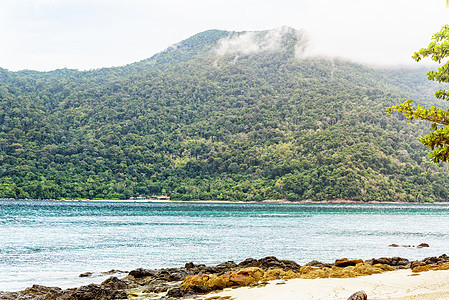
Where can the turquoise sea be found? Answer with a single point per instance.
(51, 242)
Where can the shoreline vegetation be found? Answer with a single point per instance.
(280, 201)
(266, 278)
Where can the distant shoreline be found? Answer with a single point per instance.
(279, 201)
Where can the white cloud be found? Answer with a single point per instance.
(252, 42)
(86, 34)
(377, 32)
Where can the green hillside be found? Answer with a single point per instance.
(209, 119)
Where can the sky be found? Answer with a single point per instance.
(45, 35)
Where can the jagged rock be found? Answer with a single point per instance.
(140, 273)
(417, 263)
(114, 283)
(400, 261)
(219, 270)
(444, 257)
(209, 270)
(9, 295)
(172, 274)
(201, 289)
(436, 260)
(393, 245)
(159, 286)
(40, 290)
(249, 262)
(390, 261)
(360, 295)
(96, 292)
(431, 260)
(37, 292)
(175, 293)
(315, 263)
(270, 262)
(382, 260)
(423, 245)
(226, 266)
(193, 269)
(87, 274)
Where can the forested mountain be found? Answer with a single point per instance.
(221, 115)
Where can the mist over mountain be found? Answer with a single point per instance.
(221, 115)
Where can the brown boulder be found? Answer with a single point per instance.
(315, 263)
(211, 281)
(360, 295)
(190, 281)
(344, 262)
(245, 277)
(141, 273)
(416, 263)
(273, 274)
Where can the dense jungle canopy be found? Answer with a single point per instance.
(209, 119)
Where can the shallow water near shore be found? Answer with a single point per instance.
(51, 242)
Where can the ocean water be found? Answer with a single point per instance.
(51, 243)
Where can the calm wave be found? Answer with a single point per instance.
(51, 243)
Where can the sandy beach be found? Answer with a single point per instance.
(400, 284)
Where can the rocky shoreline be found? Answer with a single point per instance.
(195, 280)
